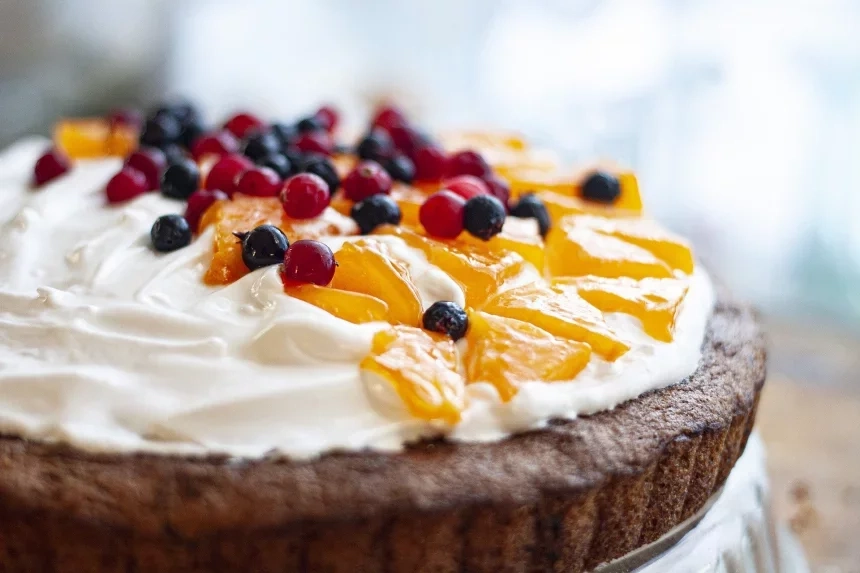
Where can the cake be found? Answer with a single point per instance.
(255, 349)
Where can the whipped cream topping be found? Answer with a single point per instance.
(110, 346)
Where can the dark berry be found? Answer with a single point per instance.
(401, 168)
(601, 187)
(181, 179)
(466, 186)
(278, 163)
(309, 262)
(311, 123)
(441, 214)
(258, 182)
(226, 171)
(264, 246)
(259, 144)
(50, 166)
(431, 163)
(286, 133)
(321, 166)
(388, 116)
(448, 318)
(126, 185)
(191, 132)
(341, 149)
(366, 179)
(328, 117)
(484, 216)
(151, 162)
(315, 142)
(376, 146)
(499, 189)
(530, 206)
(183, 110)
(242, 124)
(374, 211)
(218, 144)
(199, 202)
(305, 196)
(174, 153)
(125, 116)
(468, 162)
(160, 130)
(170, 232)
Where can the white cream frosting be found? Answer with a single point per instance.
(110, 346)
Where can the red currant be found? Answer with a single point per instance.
(499, 189)
(466, 186)
(125, 116)
(406, 139)
(315, 142)
(50, 166)
(387, 117)
(442, 214)
(305, 196)
(366, 179)
(218, 143)
(259, 182)
(329, 117)
(151, 162)
(243, 123)
(224, 173)
(199, 202)
(468, 162)
(309, 262)
(431, 163)
(126, 185)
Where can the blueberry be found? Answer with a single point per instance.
(341, 149)
(310, 123)
(181, 179)
(286, 134)
(264, 246)
(376, 210)
(170, 232)
(278, 163)
(174, 153)
(323, 167)
(190, 132)
(376, 145)
(401, 168)
(484, 216)
(447, 318)
(183, 110)
(160, 130)
(260, 144)
(531, 207)
(601, 187)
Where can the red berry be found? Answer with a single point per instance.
(309, 262)
(315, 142)
(329, 117)
(151, 162)
(50, 166)
(466, 186)
(431, 163)
(126, 116)
(243, 123)
(199, 202)
(259, 182)
(499, 189)
(366, 179)
(406, 139)
(387, 117)
(126, 185)
(442, 214)
(468, 162)
(218, 143)
(225, 172)
(305, 196)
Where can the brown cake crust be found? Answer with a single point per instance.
(562, 499)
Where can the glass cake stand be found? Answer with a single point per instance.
(736, 532)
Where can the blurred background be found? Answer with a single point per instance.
(741, 118)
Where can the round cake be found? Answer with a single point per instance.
(252, 348)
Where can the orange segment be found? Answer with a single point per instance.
(84, 138)
(507, 353)
(353, 307)
(122, 140)
(559, 310)
(574, 250)
(365, 267)
(529, 248)
(409, 199)
(422, 368)
(655, 302)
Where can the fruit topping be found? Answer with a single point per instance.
(499, 189)
(321, 166)
(309, 261)
(447, 318)
(181, 179)
(198, 202)
(484, 216)
(286, 133)
(431, 163)
(318, 141)
(328, 117)
(468, 162)
(50, 166)
(160, 130)
(242, 124)
(466, 186)
(388, 116)
(601, 187)
(174, 153)
(375, 146)
(261, 143)
(126, 117)
(374, 211)
(311, 123)
(266, 245)
(530, 206)
(125, 185)
(226, 172)
(279, 163)
(508, 353)
(442, 214)
(258, 182)
(218, 144)
(422, 369)
(169, 233)
(305, 196)
(354, 307)
(366, 179)
(401, 168)
(151, 162)
(85, 138)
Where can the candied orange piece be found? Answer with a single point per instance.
(645, 233)
(574, 250)
(422, 368)
(122, 140)
(366, 267)
(507, 353)
(83, 138)
(353, 307)
(409, 199)
(559, 310)
(529, 248)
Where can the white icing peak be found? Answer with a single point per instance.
(110, 346)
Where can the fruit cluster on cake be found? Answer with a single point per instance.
(258, 344)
